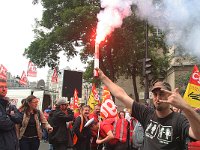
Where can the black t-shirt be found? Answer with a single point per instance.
(31, 130)
(167, 133)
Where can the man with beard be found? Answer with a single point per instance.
(9, 116)
(164, 129)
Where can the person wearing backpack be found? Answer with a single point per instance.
(29, 131)
(164, 129)
(137, 136)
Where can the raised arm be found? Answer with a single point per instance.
(117, 91)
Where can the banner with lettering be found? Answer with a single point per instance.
(54, 78)
(108, 107)
(93, 98)
(192, 93)
(23, 80)
(3, 72)
(32, 70)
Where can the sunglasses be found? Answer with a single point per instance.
(64, 104)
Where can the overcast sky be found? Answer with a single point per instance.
(16, 34)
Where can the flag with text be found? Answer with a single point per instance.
(192, 93)
(3, 72)
(32, 70)
(23, 80)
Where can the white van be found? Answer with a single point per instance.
(16, 96)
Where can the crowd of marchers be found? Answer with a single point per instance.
(139, 127)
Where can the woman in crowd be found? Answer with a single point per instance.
(82, 134)
(29, 131)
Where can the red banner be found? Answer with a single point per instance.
(108, 107)
(23, 80)
(3, 72)
(32, 70)
(95, 93)
(75, 99)
(54, 78)
(195, 77)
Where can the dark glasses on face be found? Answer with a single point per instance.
(64, 104)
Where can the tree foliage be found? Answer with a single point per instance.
(69, 23)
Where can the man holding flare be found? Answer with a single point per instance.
(164, 129)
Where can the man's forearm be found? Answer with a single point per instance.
(118, 92)
(194, 120)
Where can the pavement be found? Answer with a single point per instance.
(44, 145)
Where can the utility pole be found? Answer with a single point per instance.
(146, 83)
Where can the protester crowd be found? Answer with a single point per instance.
(138, 127)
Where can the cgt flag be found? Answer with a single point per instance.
(192, 96)
(23, 80)
(32, 70)
(93, 98)
(3, 72)
(108, 107)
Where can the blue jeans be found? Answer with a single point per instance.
(45, 134)
(29, 143)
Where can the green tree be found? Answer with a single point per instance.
(69, 23)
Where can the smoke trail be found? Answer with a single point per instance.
(179, 19)
(112, 16)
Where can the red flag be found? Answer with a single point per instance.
(3, 72)
(54, 78)
(71, 106)
(95, 93)
(191, 95)
(32, 70)
(23, 80)
(106, 94)
(75, 99)
(108, 107)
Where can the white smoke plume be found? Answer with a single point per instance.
(111, 16)
(179, 19)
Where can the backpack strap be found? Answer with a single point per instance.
(114, 127)
(121, 130)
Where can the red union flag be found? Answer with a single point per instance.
(54, 78)
(3, 72)
(95, 93)
(23, 80)
(32, 70)
(191, 95)
(93, 98)
(75, 99)
(108, 107)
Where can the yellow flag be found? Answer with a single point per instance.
(192, 93)
(91, 101)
